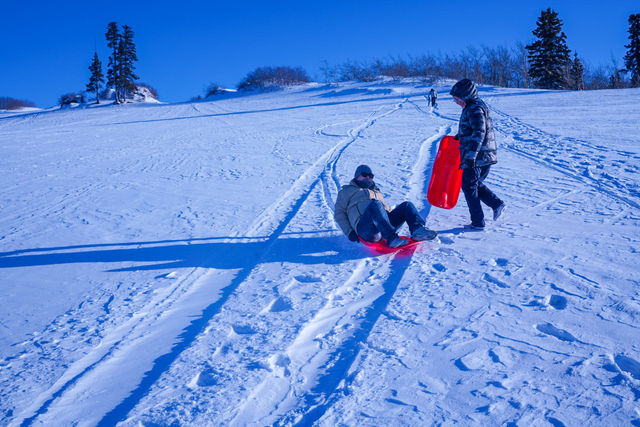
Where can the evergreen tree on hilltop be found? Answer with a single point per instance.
(96, 77)
(113, 69)
(127, 53)
(576, 73)
(120, 73)
(632, 58)
(549, 55)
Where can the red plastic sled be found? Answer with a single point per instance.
(446, 176)
(381, 246)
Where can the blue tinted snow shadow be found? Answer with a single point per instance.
(332, 249)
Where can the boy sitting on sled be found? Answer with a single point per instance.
(361, 211)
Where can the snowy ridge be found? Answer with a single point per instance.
(186, 269)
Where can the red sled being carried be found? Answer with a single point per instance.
(446, 176)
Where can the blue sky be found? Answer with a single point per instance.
(47, 46)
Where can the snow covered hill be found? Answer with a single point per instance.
(179, 264)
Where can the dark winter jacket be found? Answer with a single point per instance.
(475, 132)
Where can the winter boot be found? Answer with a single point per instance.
(473, 227)
(397, 242)
(423, 233)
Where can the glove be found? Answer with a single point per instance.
(468, 161)
(353, 236)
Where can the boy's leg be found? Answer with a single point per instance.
(406, 212)
(470, 182)
(375, 220)
(487, 196)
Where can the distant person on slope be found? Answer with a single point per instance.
(433, 96)
(478, 152)
(361, 211)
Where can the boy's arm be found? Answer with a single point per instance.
(340, 214)
(478, 123)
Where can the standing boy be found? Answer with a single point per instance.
(478, 152)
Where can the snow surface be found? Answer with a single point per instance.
(179, 264)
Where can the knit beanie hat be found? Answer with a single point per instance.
(465, 89)
(363, 169)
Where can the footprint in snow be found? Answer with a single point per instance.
(441, 268)
(280, 304)
(307, 279)
(555, 422)
(243, 329)
(487, 277)
(446, 240)
(401, 403)
(537, 301)
(561, 334)
(558, 302)
(628, 365)
(494, 357)
(208, 378)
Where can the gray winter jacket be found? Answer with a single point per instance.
(475, 132)
(352, 201)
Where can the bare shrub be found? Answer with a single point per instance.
(396, 68)
(71, 98)
(7, 103)
(273, 77)
(214, 89)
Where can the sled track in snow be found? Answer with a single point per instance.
(273, 221)
(330, 384)
(345, 354)
(333, 381)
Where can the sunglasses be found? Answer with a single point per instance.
(367, 175)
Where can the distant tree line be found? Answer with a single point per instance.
(546, 63)
(7, 103)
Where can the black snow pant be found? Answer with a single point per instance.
(376, 222)
(475, 192)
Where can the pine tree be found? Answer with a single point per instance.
(549, 55)
(113, 69)
(127, 52)
(120, 74)
(632, 58)
(576, 73)
(96, 77)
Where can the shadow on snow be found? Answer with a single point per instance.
(169, 254)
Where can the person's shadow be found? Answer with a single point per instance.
(217, 252)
